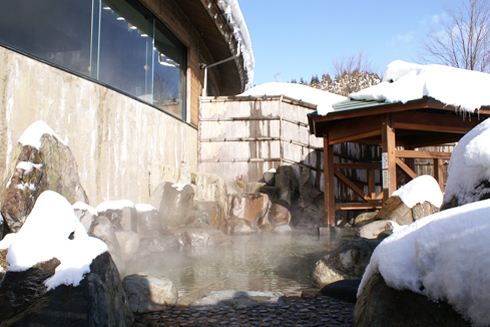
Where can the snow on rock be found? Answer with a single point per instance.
(469, 165)
(79, 205)
(444, 256)
(114, 205)
(179, 186)
(403, 81)
(33, 134)
(421, 189)
(322, 99)
(27, 166)
(46, 234)
(144, 207)
(237, 24)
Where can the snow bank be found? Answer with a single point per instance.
(46, 235)
(144, 207)
(469, 165)
(114, 205)
(322, 99)
(420, 189)
(461, 88)
(235, 19)
(444, 256)
(84, 206)
(32, 135)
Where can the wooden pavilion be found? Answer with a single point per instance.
(400, 129)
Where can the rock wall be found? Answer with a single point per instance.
(121, 145)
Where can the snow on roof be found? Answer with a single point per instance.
(403, 81)
(32, 135)
(444, 256)
(46, 235)
(236, 21)
(322, 99)
(114, 205)
(420, 189)
(469, 165)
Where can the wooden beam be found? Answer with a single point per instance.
(433, 128)
(328, 182)
(359, 206)
(372, 183)
(388, 144)
(357, 166)
(406, 168)
(438, 173)
(422, 154)
(356, 137)
(354, 129)
(352, 186)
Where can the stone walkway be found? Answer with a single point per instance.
(291, 311)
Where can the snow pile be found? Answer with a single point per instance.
(33, 134)
(234, 15)
(403, 81)
(144, 207)
(86, 207)
(179, 186)
(444, 256)
(469, 165)
(46, 234)
(114, 205)
(421, 189)
(322, 99)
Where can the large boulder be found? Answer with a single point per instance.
(85, 213)
(381, 305)
(211, 213)
(122, 214)
(99, 299)
(149, 221)
(238, 226)
(279, 215)
(372, 230)
(396, 210)
(148, 293)
(349, 261)
(41, 161)
(155, 245)
(102, 229)
(129, 242)
(252, 207)
(287, 184)
(175, 202)
(199, 234)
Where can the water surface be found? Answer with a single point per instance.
(255, 262)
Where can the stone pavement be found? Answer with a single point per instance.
(290, 311)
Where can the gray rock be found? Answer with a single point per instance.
(102, 229)
(421, 210)
(199, 234)
(373, 229)
(394, 209)
(381, 305)
(307, 192)
(122, 214)
(149, 221)
(147, 293)
(279, 215)
(364, 218)
(211, 213)
(99, 299)
(343, 290)
(269, 178)
(85, 213)
(238, 226)
(237, 300)
(175, 202)
(287, 183)
(349, 261)
(129, 242)
(159, 244)
(34, 171)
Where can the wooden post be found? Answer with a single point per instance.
(389, 159)
(328, 182)
(371, 184)
(438, 173)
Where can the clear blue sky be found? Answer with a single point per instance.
(294, 39)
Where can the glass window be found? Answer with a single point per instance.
(55, 30)
(117, 42)
(169, 73)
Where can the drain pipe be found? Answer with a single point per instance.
(205, 67)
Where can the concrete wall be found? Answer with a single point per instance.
(121, 145)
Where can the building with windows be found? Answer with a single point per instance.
(120, 80)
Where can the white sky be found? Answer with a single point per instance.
(294, 39)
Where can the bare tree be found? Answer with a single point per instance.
(463, 39)
(351, 64)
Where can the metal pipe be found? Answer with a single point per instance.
(205, 67)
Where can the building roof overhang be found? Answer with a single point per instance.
(418, 123)
(217, 34)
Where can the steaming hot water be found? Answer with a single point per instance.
(255, 262)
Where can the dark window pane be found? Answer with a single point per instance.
(55, 30)
(125, 40)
